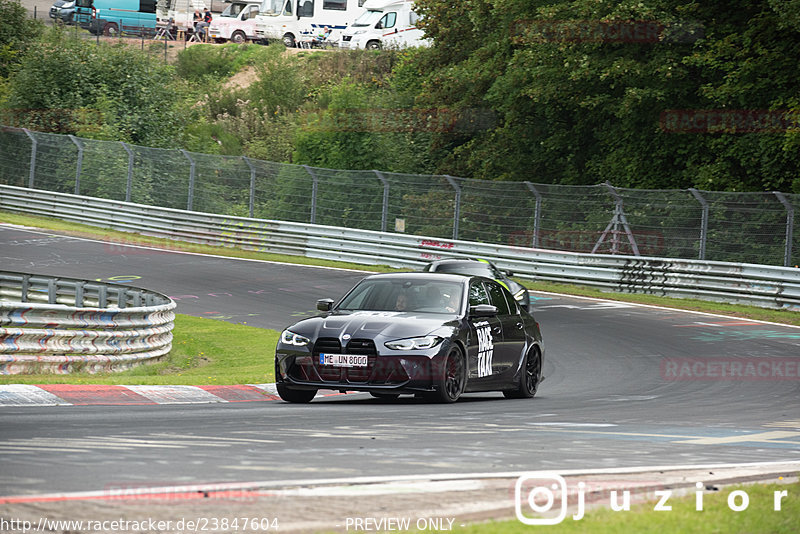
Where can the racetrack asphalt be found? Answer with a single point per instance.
(616, 394)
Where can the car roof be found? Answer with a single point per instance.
(471, 261)
(417, 275)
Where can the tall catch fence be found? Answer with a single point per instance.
(682, 224)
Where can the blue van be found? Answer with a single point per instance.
(110, 17)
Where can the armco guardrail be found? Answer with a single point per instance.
(759, 285)
(59, 325)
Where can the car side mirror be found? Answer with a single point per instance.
(245, 16)
(509, 273)
(325, 304)
(483, 310)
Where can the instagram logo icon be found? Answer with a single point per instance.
(538, 493)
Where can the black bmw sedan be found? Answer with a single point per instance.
(429, 334)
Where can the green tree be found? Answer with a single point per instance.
(16, 31)
(576, 103)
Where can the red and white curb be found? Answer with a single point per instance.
(77, 395)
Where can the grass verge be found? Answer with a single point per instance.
(204, 351)
(716, 516)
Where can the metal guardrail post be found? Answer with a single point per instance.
(26, 284)
(457, 209)
(79, 287)
(34, 144)
(703, 222)
(314, 185)
(52, 291)
(102, 297)
(252, 202)
(787, 257)
(385, 205)
(192, 169)
(79, 165)
(537, 214)
(129, 183)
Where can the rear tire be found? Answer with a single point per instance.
(530, 376)
(450, 379)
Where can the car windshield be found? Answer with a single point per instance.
(367, 18)
(419, 296)
(474, 268)
(274, 7)
(232, 10)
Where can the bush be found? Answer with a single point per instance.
(128, 92)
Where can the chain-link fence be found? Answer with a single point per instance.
(689, 224)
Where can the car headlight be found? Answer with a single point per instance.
(290, 338)
(414, 343)
(359, 32)
(519, 295)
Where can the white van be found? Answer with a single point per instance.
(293, 20)
(237, 23)
(385, 23)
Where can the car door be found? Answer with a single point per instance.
(485, 334)
(508, 351)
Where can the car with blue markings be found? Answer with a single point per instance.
(481, 267)
(431, 335)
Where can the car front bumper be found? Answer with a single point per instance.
(385, 374)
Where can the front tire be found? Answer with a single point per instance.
(288, 394)
(451, 380)
(373, 45)
(111, 29)
(530, 376)
(238, 37)
(302, 396)
(288, 40)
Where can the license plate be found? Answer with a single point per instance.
(343, 360)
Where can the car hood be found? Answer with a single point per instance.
(369, 325)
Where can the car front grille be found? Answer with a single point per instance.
(364, 347)
(377, 371)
